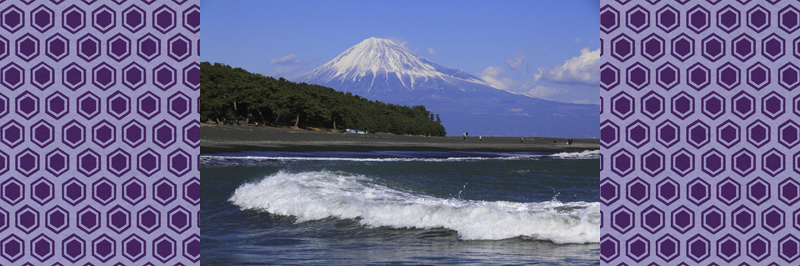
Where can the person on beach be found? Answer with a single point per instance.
(522, 139)
(554, 142)
(480, 137)
(465, 136)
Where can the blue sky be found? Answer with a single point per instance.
(542, 48)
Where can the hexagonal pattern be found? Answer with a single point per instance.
(72, 132)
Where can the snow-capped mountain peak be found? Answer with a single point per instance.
(375, 62)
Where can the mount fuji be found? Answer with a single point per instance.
(379, 69)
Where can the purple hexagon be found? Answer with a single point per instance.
(682, 162)
(12, 191)
(27, 47)
(653, 162)
(73, 19)
(698, 248)
(758, 76)
(622, 105)
(118, 105)
(148, 47)
(133, 18)
(667, 133)
(728, 248)
(698, 134)
(743, 219)
(12, 19)
(609, 76)
(743, 47)
(789, 76)
(88, 47)
(164, 19)
(148, 105)
(622, 162)
(652, 105)
(772, 219)
(42, 18)
(698, 191)
(73, 191)
(57, 219)
(103, 133)
(698, 76)
(133, 248)
(103, 248)
(667, 18)
(27, 219)
(191, 191)
(149, 162)
(652, 219)
(682, 219)
(698, 19)
(133, 191)
(133, 133)
(103, 191)
(43, 191)
(13, 76)
(789, 134)
(682, 105)
(609, 191)
(772, 162)
(27, 105)
(57, 105)
(713, 219)
(623, 47)
(118, 47)
(103, 18)
(191, 134)
(713, 105)
(104, 76)
(789, 19)
(743, 162)
(42, 76)
(638, 191)
(57, 162)
(88, 219)
(743, 105)
(73, 76)
(638, 76)
(638, 248)
(758, 18)
(668, 248)
(609, 19)
(179, 47)
(13, 248)
(148, 219)
(713, 47)
(42, 248)
(772, 47)
(728, 19)
(119, 162)
(164, 76)
(191, 76)
(191, 248)
(728, 76)
(12, 133)
(713, 162)
(623, 219)
(164, 248)
(772, 105)
(758, 247)
(638, 133)
(73, 248)
(180, 162)
(57, 47)
(133, 76)
(118, 219)
(789, 191)
(682, 47)
(89, 162)
(27, 162)
(88, 105)
(789, 248)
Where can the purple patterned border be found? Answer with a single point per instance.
(99, 132)
(700, 132)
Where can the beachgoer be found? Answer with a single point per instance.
(465, 136)
(554, 142)
(521, 140)
(480, 137)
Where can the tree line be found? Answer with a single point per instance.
(233, 94)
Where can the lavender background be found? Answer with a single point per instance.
(99, 132)
(700, 129)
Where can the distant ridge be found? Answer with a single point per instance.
(379, 69)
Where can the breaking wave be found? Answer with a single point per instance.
(323, 194)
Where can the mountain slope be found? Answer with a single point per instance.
(378, 69)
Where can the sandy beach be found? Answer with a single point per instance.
(225, 138)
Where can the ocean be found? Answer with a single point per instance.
(400, 208)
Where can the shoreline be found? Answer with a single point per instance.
(229, 138)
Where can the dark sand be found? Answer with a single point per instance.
(219, 138)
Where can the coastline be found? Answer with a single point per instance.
(228, 138)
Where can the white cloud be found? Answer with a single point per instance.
(431, 51)
(494, 76)
(578, 39)
(286, 60)
(582, 69)
(544, 92)
(399, 41)
(517, 61)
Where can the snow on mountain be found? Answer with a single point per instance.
(379, 69)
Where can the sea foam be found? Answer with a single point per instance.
(323, 194)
